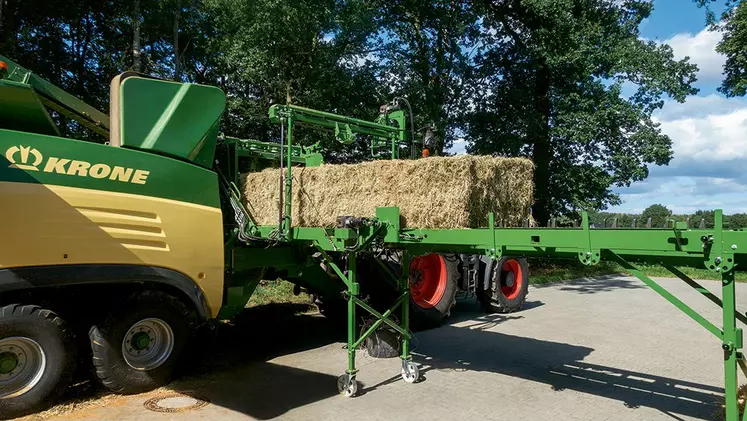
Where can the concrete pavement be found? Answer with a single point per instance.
(598, 349)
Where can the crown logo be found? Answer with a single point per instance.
(24, 151)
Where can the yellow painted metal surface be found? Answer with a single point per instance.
(56, 225)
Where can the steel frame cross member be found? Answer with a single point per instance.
(729, 334)
(347, 383)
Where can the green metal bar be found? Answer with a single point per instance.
(352, 292)
(287, 232)
(678, 273)
(383, 317)
(730, 346)
(345, 279)
(671, 298)
(405, 287)
(58, 99)
(328, 120)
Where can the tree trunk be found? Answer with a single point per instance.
(136, 62)
(177, 58)
(540, 137)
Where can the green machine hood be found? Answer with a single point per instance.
(171, 118)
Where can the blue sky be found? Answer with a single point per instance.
(709, 131)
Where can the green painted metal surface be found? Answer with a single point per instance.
(33, 158)
(24, 110)
(387, 132)
(175, 119)
(57, 99)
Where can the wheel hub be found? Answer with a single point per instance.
(22, 365)
(510, 279)
(148, 344)
(140, 341)
(8, 363)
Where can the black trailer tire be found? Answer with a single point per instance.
(383, 343)
(506, 285)
(154, 323)
(40, 349)
(434, 281)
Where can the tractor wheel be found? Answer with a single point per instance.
(137, 347)
(433, 286)
(506, 286)
(37, 359)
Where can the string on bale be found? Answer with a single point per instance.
(437, 192)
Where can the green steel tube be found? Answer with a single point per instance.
(328, 118)
(288, 182)
(352, 292)
(672, 299)
(678, 273)
(382, 318)
(730, 346)
(405, 286)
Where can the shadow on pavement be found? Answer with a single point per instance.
(558, 365)
(262, 390)
(595, 285)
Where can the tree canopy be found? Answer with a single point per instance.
(567, 83)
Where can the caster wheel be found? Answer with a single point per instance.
(410, 372)
(347, 385)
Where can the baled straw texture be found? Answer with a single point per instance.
(435, 192)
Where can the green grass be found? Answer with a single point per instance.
(270, 292)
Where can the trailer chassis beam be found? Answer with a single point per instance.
(730, 335)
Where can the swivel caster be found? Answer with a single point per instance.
(410, 372)
(347, 385)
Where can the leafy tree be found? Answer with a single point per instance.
(427, 58)
(658, 214)
(306, 53)
(732, 22)
(550, 89)
(736, 221)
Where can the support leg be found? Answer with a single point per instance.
(347, 385)
(731, 344)
(405, 288)
(410, 371)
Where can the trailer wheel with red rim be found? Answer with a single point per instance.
(433, 287)
(506, 285)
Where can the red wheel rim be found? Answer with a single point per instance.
(428, 279)
(511, 279)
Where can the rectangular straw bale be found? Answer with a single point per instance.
(435, 192)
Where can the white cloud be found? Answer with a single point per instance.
(709, 151)
(458, 147)
(707, 129)
(701, 48)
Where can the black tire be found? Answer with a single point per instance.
(56, 342)
(431, 315)
(112, 369)
(384, 343)
(508, 273)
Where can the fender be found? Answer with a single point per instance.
(22, 278)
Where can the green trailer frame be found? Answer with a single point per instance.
(718, 250)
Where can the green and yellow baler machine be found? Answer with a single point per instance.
(128, 244)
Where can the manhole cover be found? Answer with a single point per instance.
(175, 403)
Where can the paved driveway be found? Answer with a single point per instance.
(599, 349)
